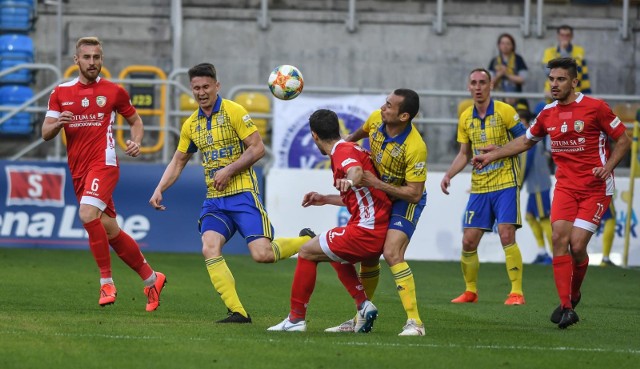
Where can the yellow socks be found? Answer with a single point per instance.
(536, 228)
(406, 288)
(369, 277)
(284, 248)
(514, 267)
(470, 266)
(545, 223)
(225, 284)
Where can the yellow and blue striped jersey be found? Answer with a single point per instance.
(219, 139)
(500, 125)
(397, 159)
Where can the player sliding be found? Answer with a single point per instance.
(579, 127)
(362, 238)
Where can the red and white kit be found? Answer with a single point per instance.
(364, 234)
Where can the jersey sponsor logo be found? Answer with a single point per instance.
(33, 185)
(101, 101)
(84, 102)
(66, 103)
(615, 123)
(348, 161)
(420, 165)
(568, 145)
(578, 126)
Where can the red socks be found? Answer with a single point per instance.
(129, 251)
(349, 278)
(99, 245)
(304, 281)
(579, 271)
(562, 273)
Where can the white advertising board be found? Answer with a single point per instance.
(438, 235)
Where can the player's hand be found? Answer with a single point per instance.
(221, 178)
(369, 179)
(313, 198)
(133, 148)
(444, 185)
(601, 172)
(156, 199)
(64, 118)
(343, 184)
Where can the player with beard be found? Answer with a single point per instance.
(579, 128)
(85, 108)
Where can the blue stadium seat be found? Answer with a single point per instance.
(15, 49)
(16, 15)
(22, 123)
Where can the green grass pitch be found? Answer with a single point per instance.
(50, 318)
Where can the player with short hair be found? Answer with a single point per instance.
(360, 239)
(400, 156)
(230, 144)
(495, 194)
(579, 128)
(86, 108)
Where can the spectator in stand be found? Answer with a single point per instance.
(508, 69)
(566, 49)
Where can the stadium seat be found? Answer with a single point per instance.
(627, 112)
(256, 102)
(15, 49)
(187, 103)
(463, 105)
(16, 15)
(20, 124)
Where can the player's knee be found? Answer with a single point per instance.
(88, 214)
(262, 252)
(393, 257)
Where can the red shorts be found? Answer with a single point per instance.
(96, 188)
(585, 210)
(352, 244)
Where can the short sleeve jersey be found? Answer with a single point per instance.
(219, 139)
(89, 136)
(579, 134)
(370, 208)
(399, 159)
(494, 129)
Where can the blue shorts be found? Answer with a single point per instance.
(243, 212)
(539, 204)
(485, 209)
(405, 215)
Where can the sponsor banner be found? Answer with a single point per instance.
(292, 142)
(438, 235)
(38, 208)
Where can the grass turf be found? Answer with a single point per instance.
(49, 318)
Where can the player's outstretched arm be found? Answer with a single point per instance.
(410, 191)
(316, 199)
(358, 135)
(512, 148)
(169, 177)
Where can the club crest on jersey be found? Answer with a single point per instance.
(396, 151)
(220, 119)
(492, 121)
(578, 126)
(101, 101)
(85, 102)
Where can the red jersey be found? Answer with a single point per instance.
(369, 207)
(90, 141)
(579, 134)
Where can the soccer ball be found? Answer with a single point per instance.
(286, 82)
